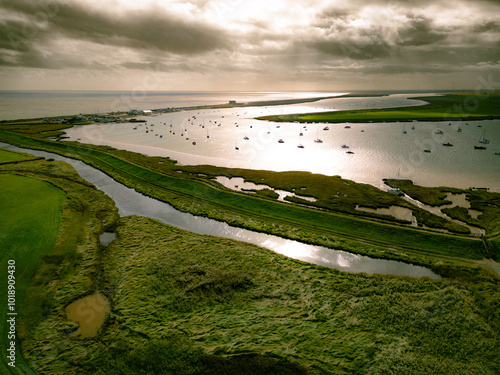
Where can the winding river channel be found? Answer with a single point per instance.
(130, 202)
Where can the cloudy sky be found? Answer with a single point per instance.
(248, 44)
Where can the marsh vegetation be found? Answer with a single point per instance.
(451, 107)
(190, 304)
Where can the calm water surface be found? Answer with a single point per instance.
(379, 150)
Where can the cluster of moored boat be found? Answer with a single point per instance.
(481, 140)
(149, 129)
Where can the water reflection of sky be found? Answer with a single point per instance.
(380, 150)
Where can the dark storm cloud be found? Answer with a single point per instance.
(8, 38)
(360, 48)
(420, 31)
(378, 38)
(47, 60)
(487, 26)
(157, 66)
(32, 25)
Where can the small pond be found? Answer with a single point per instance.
(90, 313)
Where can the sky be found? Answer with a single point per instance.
(252, 45)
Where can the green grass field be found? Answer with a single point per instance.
(451, 107)
(30, 217)
(7, 156)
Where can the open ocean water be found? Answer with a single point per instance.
(36, 104)
(379, 150)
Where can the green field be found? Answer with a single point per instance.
(30, 217)
(451, 107)
(7, 156)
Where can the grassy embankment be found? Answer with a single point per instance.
(308, 225)
(332, 193)
(191, 304)
(451, 107)
(44, 230)
(9, 156)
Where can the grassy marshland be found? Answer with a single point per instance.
(451, 107)
(198, 196)
(190, 304)
(488, 203)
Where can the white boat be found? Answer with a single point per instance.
(281, 140)
(345, 146)
(482, 139)
(318, 140)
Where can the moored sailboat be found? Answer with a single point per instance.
(482, 139)
(318, 139)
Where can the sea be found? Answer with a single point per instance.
(232, 137)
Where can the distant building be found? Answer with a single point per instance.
(232, 102)
(134, 112)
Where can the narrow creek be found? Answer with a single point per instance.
(457, 200)
(130, 202)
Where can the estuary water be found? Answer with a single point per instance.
(130, 202)
(363, 152)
